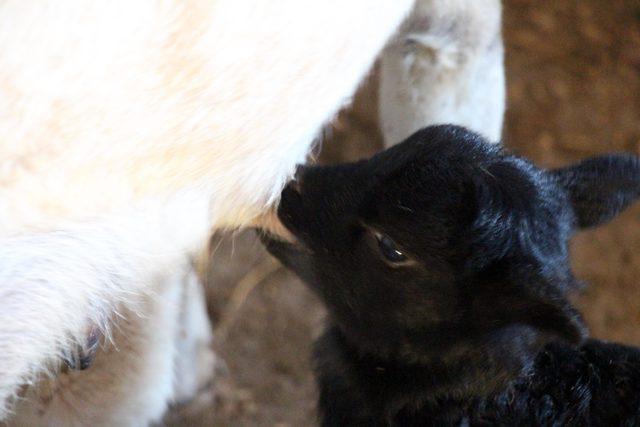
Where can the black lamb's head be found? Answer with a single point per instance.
(444, 244)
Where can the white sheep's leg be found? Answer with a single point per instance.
(195, 360)
(152, 359)
(444, 66)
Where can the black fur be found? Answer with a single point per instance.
(466, 320)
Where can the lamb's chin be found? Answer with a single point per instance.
(276, 243)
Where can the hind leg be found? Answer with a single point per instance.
(195, 360)
(156, 355)
(444, 66)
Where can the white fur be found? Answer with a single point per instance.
(130, 383)
(196, 362)
(445, 66)
(52, 285)
(130, 130)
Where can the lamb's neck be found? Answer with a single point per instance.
(397, 382)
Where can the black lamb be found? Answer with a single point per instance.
(443, 264)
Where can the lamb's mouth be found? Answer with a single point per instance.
(278, 238)
(277, 230)
(270, 225)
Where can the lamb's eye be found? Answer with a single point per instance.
(389, 249)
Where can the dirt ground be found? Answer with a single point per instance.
(573, 70)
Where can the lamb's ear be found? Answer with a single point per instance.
(557, 317)
(523, 297)
(601, 187)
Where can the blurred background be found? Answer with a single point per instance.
(573, 73)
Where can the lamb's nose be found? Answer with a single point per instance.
(298, 179)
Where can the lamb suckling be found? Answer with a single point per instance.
(443, 264)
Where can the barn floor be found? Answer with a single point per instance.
(573, 71)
